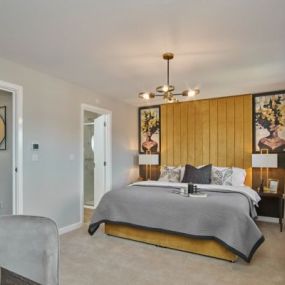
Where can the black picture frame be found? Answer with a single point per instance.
(3, 117)
(140, 139)
(257, 143)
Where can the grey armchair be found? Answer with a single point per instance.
(29, 247)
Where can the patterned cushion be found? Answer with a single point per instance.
(170, 174)
(222, 176)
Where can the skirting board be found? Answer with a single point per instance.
(268, 219)
(69, 228)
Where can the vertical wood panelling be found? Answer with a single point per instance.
(214, 131)
(205, 131)
(222, 132)
(239, 131)
(163, 134)
(198, 134)
(230, 131)
(191, 133)
(170, 144)
(176, 134)
(217, 131)
(184, 133)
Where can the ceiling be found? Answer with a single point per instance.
(114, 47)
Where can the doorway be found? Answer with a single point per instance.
(11, 149)
(6, 153)
(96, 157)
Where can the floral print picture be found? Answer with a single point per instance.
(269, 122)
(149, 129)
(3, 128)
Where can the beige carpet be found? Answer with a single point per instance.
(104, 260)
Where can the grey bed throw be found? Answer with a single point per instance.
(224, 216)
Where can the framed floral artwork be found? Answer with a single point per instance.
(149, 129)
(3, 128)
(269, 122)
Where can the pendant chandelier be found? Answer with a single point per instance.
(167, 91)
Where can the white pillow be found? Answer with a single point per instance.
(182, 171)
(238, 177)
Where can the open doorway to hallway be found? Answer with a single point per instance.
(96, 158)
(12, 129)
(6, 153)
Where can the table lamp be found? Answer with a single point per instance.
(148, 160)
(264, 160)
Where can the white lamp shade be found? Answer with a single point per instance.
(148, 159)
(265, 160)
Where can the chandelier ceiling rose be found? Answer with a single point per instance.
(166, 90)
(168, 55)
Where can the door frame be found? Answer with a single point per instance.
(17, 144)
(108, 184)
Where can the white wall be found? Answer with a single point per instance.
(52, 118)
(6, 178)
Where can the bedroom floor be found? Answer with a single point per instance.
(105, 260)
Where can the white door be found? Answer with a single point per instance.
(99, 158)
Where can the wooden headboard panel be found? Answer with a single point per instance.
(217, 131)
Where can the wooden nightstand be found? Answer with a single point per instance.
(271, 205)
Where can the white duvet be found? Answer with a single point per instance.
(253, 195)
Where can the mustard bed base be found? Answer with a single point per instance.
(209, 247)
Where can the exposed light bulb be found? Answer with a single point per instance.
(191, 93)
(165, 88)
(146, 95)
(172, 100)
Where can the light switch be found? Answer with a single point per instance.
(35, 146)
(35, 156)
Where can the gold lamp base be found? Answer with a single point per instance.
(266, 190)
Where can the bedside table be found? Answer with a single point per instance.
(271, 205)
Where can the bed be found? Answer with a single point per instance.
(221, 225)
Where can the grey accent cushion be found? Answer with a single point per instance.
(195, 175)
(222, 176)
